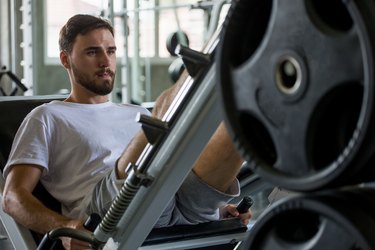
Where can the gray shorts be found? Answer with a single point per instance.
(194, 202)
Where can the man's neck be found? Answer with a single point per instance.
(86, 99)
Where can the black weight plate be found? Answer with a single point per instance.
(297, 86)
(175, 69)
(174, 39)
(319, 221)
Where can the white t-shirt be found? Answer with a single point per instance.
(76, 144)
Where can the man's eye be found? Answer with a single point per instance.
(112, 52)
(91, 52)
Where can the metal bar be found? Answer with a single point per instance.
(135, 67)
(215, 17)
(172, 163)
(148, 77)
(28, 48)
(198, 243)
(166, 7)
(125, 65)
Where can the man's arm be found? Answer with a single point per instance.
(24, 207)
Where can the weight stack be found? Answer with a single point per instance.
(296, 81)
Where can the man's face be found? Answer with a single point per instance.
(93, 61)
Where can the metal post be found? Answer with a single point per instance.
(16, 38)
(215, 17)
(110, 14)
(28, 45)
(125, 68)
(136, 88)
(5, 41)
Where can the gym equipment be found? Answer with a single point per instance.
(13, 109)
(14, 78)
(174, 39)
(220, 233)
(175, 69)
(296, 83)
(154, 178)
(323, 220)
(297, 86)
(245, 204)
(157, 235)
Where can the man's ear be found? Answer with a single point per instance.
(64, 59)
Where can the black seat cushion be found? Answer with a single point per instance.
(12, 112)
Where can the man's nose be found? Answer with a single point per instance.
(105, 60)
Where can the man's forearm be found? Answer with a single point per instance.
(31, 213)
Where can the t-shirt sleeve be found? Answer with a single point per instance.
(30, 145)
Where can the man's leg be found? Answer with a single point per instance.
(139, 142)
(212, 185)
(219, 163)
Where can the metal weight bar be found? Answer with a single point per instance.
(169, 169)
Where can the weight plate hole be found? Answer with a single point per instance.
(302, 228)
(288, 75)
(248, 33)
(333, 124)
(330, 15)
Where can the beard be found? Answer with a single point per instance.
(97, 86)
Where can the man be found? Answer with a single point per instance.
(72, 146)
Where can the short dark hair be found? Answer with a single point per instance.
(80, 24)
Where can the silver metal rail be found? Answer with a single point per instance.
(171, 165)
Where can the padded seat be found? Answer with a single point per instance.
(13, 110)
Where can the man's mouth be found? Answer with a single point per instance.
(105, 74)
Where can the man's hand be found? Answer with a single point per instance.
(70, 243)
(230, 210)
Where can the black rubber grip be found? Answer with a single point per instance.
(46, 243)
(92, 222)
(245, 204)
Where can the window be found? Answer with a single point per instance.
(156, 23)
(58, 12)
